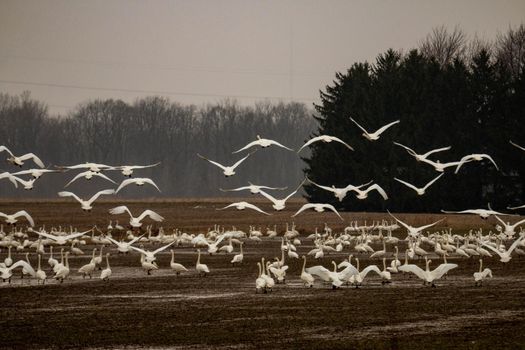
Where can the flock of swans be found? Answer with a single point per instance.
(355, 240)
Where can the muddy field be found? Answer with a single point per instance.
(222, 310)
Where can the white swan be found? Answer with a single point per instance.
(19, 161)
(518, 146)
(414, 231)
(278, 272)
(63, 272)
(421, 157)
(243, 205)
(260, 282)
(325, 139)
(326, 275)
(148, 266)
(505, 256)
(136, 221)
(94, 167)
(86, 205)
(307, 278)
(237, 259)
(202, 269)
(87, 269)
(363, 194)
(440, 167)
(481, 275)
(7, 272)
(12, 219)
(509, 230)
(124, 247)
(139, 181)
(27, 184)
(227, 170)
(339, 193)
(263, 143)
(150, 256)
(280, 204)
(178, 268)
(420, 190)
(318, 207)
(88, 175)
(475, 157)
(35, 173)
(426, 275)
(483, 213)
(375, 135)
(106, 273)
(61, 240)
(40, 274)
(270, 283)
(127, 170)
(254, 189)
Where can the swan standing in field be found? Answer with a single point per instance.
(148, 266)
(379, 253)
(254, 189)
(86, 205)
(422, 157)
(178, 268)
(280, 204)
(226, 170)
(19, 161)
(339, 193)
(505, 255)
(61, 240)
(260, 282)
(326, 275)
(375, 135)
(7, 272)
(318, 207)
(106, 273)
(420, 190)
(278, 272)
(124, 247)
(475, 157)
(139, 181)
(308, 279)
(481, 275)
(509, 230)
(414, 231)
(270, 283)
(87, 270)
(237, 259)
(12, 219)
(136, 221)
(243, 205)
(426, 275)
(88, 175)
(40, 274)
(325, 139)
(263, 143)
(202, 269)
(63, 272)
(517, 146)
(127, 170)
(8, 261)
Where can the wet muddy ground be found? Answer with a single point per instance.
(222, 310)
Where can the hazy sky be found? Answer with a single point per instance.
(66, 52)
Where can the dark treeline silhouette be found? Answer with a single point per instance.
(468, 94)
(151, 130)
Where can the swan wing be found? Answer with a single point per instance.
(330, 189)
(104, 177)
(309, 142)
(118, 244)
(491, 248)
(436, 151)
(337, 139)
(409, 150)
(47, 235)
(25, 265)
(235, 189)
(379, 189)
(432, 181)
(144, 166)
(347, 272)
(515, 244)
(273, 142)
(368, 269)
(268, 196)
(163, 248)
(35, 159)
(294, 192)
(125, 183)
(303, 208)
(429, 225)
(442, 269)
(100, 193)
(4, 148)
(416, 270)
(332, 208)
(151, 214)
(406, 184)
(26, 215)
(383, 128)
(76, 178)
(212, 162)
(254, 207)
(75, 235)
(399, 221)
(135, 239)
(359, 126)
(120, 210)
(251, 144)
(241, 160)
(320, 271)
(139, 250)
(69, 194)
(512, 143)
(150, 181)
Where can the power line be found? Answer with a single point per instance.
(159, 92)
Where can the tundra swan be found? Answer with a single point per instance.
(136, 221)
(237, 259)
(482, 274)
(88, 175)
(505, 256)
(263, 143)
(254, 189)
(426, 275)
(475, 157)
(419, 190)
(339, 193)
(139, 181)
(325, 139)
(19, 160)
(127, 170)
(307, 278)
(86, 205)
(318, 207)
(106, 273)
(421, 157)
(414, 231)
(243, 205)
(12, 219)
(226, 170)
(375, 135)
(202, 269)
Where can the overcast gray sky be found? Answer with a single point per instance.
(66, 52)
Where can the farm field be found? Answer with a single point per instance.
(160, 311)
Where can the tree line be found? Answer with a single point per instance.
(451, 91)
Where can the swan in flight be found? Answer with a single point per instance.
(263, 143)
(86, 205)
(139, 181)
(325, 139)
(254, 189)
(414, 231)
(244, 205)
(375, 135)
(124, 247)
(515, 208)
(280, 204)
(12, 219)
(482, 274)
(518, 146)
(420, 190)
(27, 184)
(136, 221)
(62, 240)
(318, 207)
(363, 194)
(150, 256)
(127, 170)
(422, 157)
(440, 167)
(483, 213)
(509, 229)
(226, 170)
(475, 157)
(339, 193)
(88, 175)
(426, 275)
(35, 173)
(19, 161)
(505, 255)
(94, 167)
